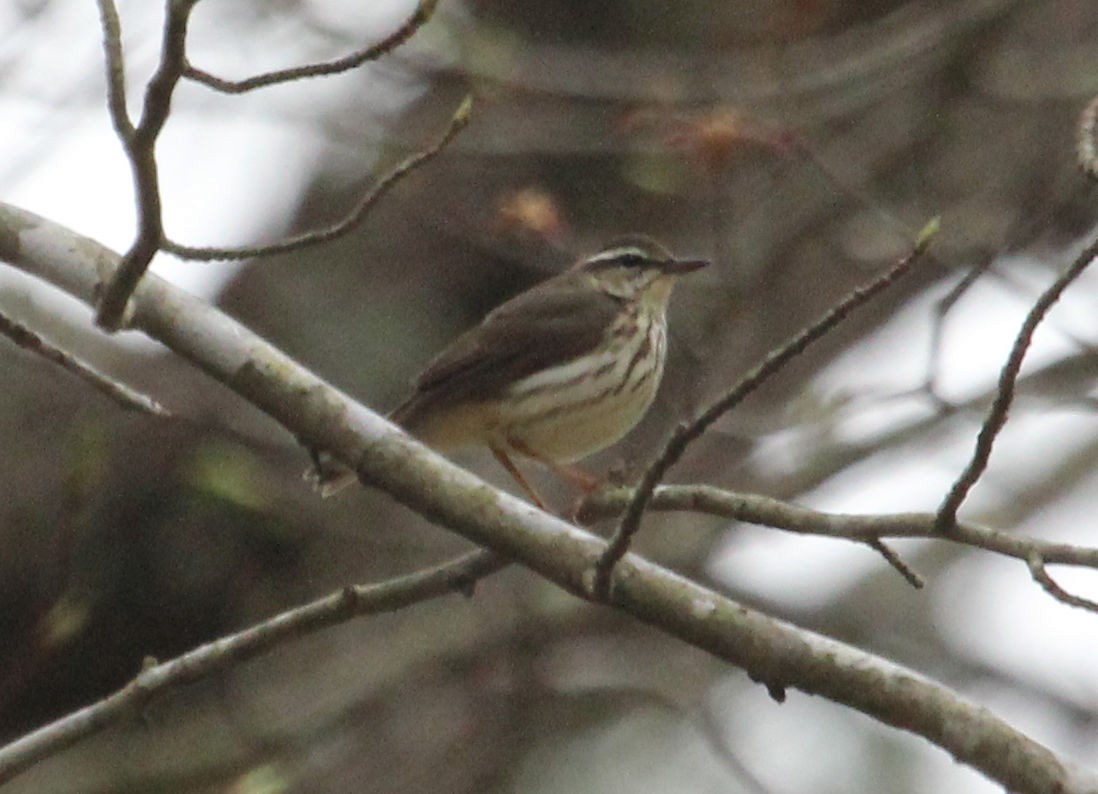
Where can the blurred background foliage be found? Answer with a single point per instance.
(799, 144)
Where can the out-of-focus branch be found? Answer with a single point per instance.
(423, 13)
(454, 576)
(122, 394)
(458, 122)
(687, 433)
(770, 650)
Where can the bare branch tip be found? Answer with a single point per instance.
(927, 234)
(464, 114)
(892, 557)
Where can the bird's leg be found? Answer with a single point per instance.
(585, 482)
(506, 462)
(581, 480)
(575, 476)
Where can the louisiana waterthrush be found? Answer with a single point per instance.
(555, 374)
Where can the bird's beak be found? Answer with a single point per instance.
(677, 267)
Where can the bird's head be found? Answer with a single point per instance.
(637, 268)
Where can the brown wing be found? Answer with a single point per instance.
(552, 323)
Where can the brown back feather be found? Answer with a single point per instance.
(554, 322)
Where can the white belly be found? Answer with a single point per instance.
(593, 419)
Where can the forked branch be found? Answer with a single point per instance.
(770, 650)
(139, 142)
(687, 433)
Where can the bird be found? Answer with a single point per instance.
(555, 374)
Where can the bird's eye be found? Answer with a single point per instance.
(631, 259)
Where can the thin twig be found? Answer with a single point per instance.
(1008, 378)
(116, 70)
(685, 434)
(458, 122)
(140, 146)
(776, 514)
(893, 558)
(389, 596)
(1040, 575)
(122, 394)
(423, 13)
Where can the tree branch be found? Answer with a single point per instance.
(893, 558)
(1004, 398)
(687, 433)
(771, 651)
(454, 576)
(140, 145)
(116, 70)
(122, 394)
(458, 122)
(769, 512)
(420, 17)
(1039, 571)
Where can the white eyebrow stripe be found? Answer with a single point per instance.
(618, 253)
